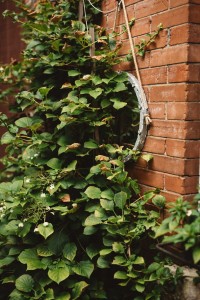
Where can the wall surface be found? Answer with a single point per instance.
(170, 73)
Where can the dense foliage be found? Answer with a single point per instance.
(70, 226)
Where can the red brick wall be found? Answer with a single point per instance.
(170, 73)
(10, 46)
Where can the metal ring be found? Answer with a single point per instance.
(143, 107)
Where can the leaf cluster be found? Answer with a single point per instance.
(70, 227)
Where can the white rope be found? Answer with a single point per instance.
(86, 23)
(147, 117)
(102, 11)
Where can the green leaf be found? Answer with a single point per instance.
(89, 230)
(92, 220)
(58, 273)
(83, 268)
(7, 138)
(120, 199)
(71, 167)
(78, 289)
(93, 192)
(92, 251)
(45, 231)
(119, 87)
(196, 254)
(102, 263)
(120, 275)
(69, 251)
(118, 104)
(30, 258)
(104, 252)
(139, 260)
(90, 145)
(24, 122)
(96, 93)
(6, 261)
(73, 73)
(159, 201)
(54, 163)
(140, 288)
(118, 247)
(63, 296)
(44, 251)
(24, 283)
(147, 157)
(107, 204)
(107, 194)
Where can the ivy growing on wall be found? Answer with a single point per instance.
(70, 226)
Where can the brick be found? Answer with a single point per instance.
(154, 76)
(141, 27)
(175, 129)
(194, 53)
(179, 34)
(165, 93)
(167, 165)
(194, 73)
(183, 111)
(181, 185)
(193, 92)
(182, 148)
(143, 62)
(170, 55)
(194, 14)
(124, 66)
(157, 110)
(194, 33)
(150, 7)
(176, 166)
(175, 3)
(171, 17)
(154, 145)
(178, 73)
(147, 177)
(192, 167)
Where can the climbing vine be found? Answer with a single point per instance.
(72, 225)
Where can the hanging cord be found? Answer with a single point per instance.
(146, 116)
(85, 15)
(102, 11)
(118, 6)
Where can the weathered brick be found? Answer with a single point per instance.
(180, 34)
(154, 75)
(182, 148)
(194, 14)
(175, 129)
(193, 92)
(175, 3)
(141, 27)
(194, 33)
(150, 7)
(181, 185)
(154, 145)
(176, 166)
(147, 177)
(171, 55)
(183, 111)
(194, 51)
(178, 73)
(194, 73)
(165, 93)
(171, 17)
(157, 110)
